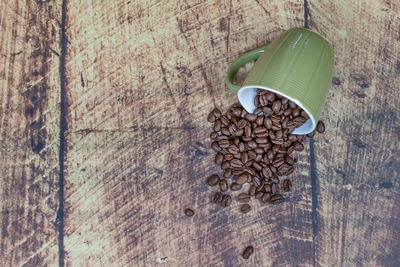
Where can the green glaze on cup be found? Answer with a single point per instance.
(298, 65)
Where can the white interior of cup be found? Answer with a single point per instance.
(246, 98)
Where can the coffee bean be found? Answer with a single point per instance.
(298, 146)
(267, 188)
(261, 140)
(251, 117)
(223, 185)
(304, 114)
(227, 200)
(228, 173)
(244, 157)
(236, 112)
(189, 212)
(219, 158)
(287, 185)
(237, 171)
(274, 188)
(256, 181)
(267, 172)
(217, 198)
(225, 131)
(236, 187)
(213, 180)
(224, 120)
(247, 252)
(243, 197)
(239, 132)
(211, 117)
(277, 198)
(278, 162)
(243, 113)
(236, 163)
(275, 179)
(245, 208)
(260, 129)
(217, 125)
(224, 143)
(215, 146)
(258, 157)
(229, 115)
(252, 190)
(225, 165)
(257, 166)
(242, 123)
(292, 105)
(256, 100)
(228, 157)
(320, 127)
(276, 106)
(260, 120)
(290, 170)
(213, 135)
(242, 179)
(216, 112)
(259, 195)
(289, 160)
(266, 197)
(233, 149)
(247, 131)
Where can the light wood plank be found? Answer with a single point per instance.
(29, 120)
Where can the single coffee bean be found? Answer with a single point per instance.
(267, 172)
(245, 208)
(261, 140)
(236, 112)
(292, 105)
(256, 101)
(320, 127)
(222, 137)
(267, 188)
(289, 160)
(277, 198)
(251, 117)
(217, 125)
(276, 106)
(213, 135)
(228, 156)
(259, 195)
(215, 146)
(287, 112)
(298, 146)
(211, 117)
(224, 120)
(219, 158)
(223, 185)
(236, 187)
(266, 197)
(233, 149)
(243, 197)
(216, 112)
(287, 185)
(242, 179)
(242, 123)
(225, 165)
(244, 157)
(296, 112)
(228, 173)
(258, 157)
(229, 115)
(247, 131)
(260, 129)
(189, 212)
(257, 166)
(236, 163)
(304, 114)
(225, 131)
(241, 147)
(239, 132)
(247, 252)
(278, 162)
(243, 113)
(271, 97)
(260, 120)
(275, 179)
(227, 200)
(256, 181)
(274, 188)
(213, 180)
(217, 198)
(237, 171)
(252, 190)
(224, 143)
(290, 170)
(252, 144)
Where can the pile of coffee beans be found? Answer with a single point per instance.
(255, 149)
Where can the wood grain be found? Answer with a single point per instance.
(358, 158)
(138, 149)
(29, 115)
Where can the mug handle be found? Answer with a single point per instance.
(238, 63)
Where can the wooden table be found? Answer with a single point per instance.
(104, 138)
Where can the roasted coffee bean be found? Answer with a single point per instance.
(237, 156)
(236, 163)
(222, 137)
(229, 115)
(219, 158)
(287, 185)
(247, 131)
(228, 157)
(189, 212)
(292, 137)
(237, 171)
(239, 132)
(227, 200)
(252, 190)
(261, 140)
(266, 197)
(236, 111)
(245, 208)
(273, 169)
(228, 173)
(242, 123)
(233, 149)
(232, 128)
(277, 198)
(292, 105)
(259, 195)
(298, 146)
(225, 165)
(268, 123)
(256, 100)
(320, 127)
(290, 170)
(252, 144)
(267, 188)
(244, 157)
(236, 187)
(289, 160)
(260, 129)
(213, 135)
(271, 96)
(287, 112)
(217, 198)
(213, 179)
(252, 154)
(243, 197)
(257, 166)
(290, 150)
(277, 141)
(296, 112)
(311, 135)
(276, 106)
(259, 150)
(267, 172)
(247, 252)
(250, 171)
(260, 120)
(256, 181)
(216, 112)
(304, 114)
(278, 162)
(217, 125)
(251, 117)
(243, 113)
(275, 179)
(211, 117)
(224, 120)
(274, 188)
(224, 143)
(225, 131)
(215, 146)
(242, 179)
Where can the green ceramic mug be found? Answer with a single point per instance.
(298, 65)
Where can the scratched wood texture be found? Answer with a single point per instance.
(358, 159)
(29, 119)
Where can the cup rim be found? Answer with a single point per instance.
(246, 96)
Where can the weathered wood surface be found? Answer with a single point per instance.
(358, 160)
(29, 115)
(141, 77)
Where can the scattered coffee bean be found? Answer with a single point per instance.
(245, 208)
(213, 180)
(223, 185)
(217, 198)
(320, 127)
(189, 212)
(236, 187)
(247, 252)
(243, 197)
(227, 200)
(287, 185)
(277, 198)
